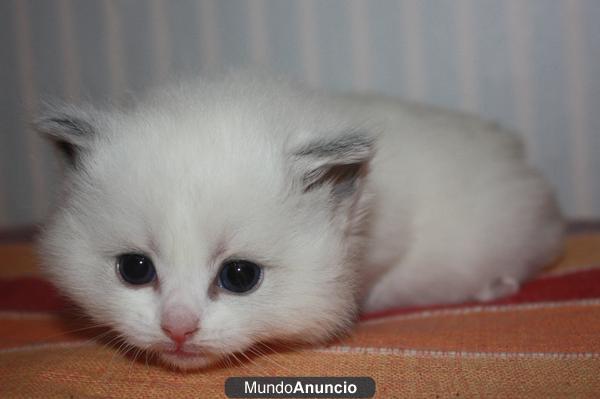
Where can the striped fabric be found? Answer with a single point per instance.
(543, 342)
(532, 65)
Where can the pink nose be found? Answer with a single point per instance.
(179, 325)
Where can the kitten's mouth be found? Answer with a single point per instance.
(183, 354)
(186, 359)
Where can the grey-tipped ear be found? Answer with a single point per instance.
(71, 133)
(338, 162)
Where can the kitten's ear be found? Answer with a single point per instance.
(339, 162)
(70, 130)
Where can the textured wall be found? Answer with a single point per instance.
(532, 65)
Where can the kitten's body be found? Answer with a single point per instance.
(345, 200)
(473, 218)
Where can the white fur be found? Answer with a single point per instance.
(203, 171)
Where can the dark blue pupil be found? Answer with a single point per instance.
(136, 269)
(239, 275)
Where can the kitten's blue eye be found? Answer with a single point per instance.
(136, 269)
(239, 276)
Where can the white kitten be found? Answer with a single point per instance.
(222, 213)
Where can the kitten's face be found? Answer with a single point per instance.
(192, 205)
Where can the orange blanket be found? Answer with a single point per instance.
(542, 342)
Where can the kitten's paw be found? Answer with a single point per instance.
(498, 288)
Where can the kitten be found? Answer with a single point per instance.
(217, 214)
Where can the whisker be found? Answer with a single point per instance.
(147, 353)
(252, 361)
(236, 358)
(267, 357)
(104, 377)
(136, 354)
(256, 363)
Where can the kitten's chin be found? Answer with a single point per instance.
(187, 361)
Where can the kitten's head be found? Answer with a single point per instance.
(199, 224)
